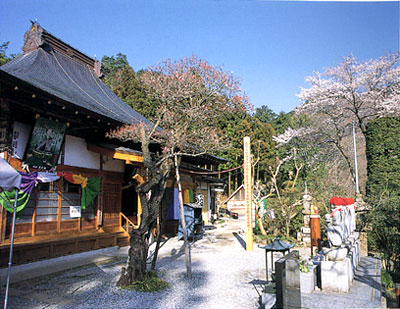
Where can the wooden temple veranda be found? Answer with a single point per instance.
(56, 110)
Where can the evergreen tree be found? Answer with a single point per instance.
(126, 84)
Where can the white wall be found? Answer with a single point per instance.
(21, 132)
(76, 153)
(113, 165)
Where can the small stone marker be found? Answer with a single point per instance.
(287, 271)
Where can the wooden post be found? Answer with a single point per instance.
(315, 233)
(229, 184)
(248, 193)
(3, 214)
(59, 203)
(183, 222)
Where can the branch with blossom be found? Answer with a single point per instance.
(355, 90)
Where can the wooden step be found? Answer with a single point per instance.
(122, 239)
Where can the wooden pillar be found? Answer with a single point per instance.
(33, 231)
(248, 189)
(99, 215)
(229, 184)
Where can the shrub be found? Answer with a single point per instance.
(150, 283)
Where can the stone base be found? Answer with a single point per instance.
(336, 275)
(308, 281)
(268, 300)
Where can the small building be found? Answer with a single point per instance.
(55, 114)
(236, 202)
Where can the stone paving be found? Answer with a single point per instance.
(364, 293)
(219, 257)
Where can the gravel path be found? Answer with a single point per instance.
(224, 276)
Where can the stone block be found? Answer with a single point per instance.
(292, 295)
(308, 281)
(299, 236)
(287, 274)
(336, 275)
(305, 230)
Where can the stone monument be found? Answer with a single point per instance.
(343, 254)
(305, 234)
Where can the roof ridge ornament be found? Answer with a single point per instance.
(33, 38)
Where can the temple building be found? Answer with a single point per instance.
(77, 193)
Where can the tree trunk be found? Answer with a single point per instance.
(182, 212)
(287, 228)
(139, 239)
(137, 256)
(260, 223)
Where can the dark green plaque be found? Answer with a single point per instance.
(45, 143)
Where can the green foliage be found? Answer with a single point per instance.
(297, 222)
(126, 84)
(303, 266)
(150, 283)
(239, 124)
(383, 188)
(111, 67)
(384, 218)
(3, 57)
(383, 155)
(283, 121)
(265, 114)
(387, 279)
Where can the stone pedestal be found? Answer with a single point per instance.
(339, 267)
(335, 275)
(304, 235)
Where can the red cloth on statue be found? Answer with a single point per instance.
(341, 201)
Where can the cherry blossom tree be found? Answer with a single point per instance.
(192, 96)
(353, 91)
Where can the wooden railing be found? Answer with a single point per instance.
(127, 224)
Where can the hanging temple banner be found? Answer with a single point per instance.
(45, 143)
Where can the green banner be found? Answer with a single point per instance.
(45, 143)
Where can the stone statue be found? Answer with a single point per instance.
(341, 228)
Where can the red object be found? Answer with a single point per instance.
(315, 227)
(341, 201)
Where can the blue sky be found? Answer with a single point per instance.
(270, 45)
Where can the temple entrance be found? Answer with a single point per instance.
(129, 205)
